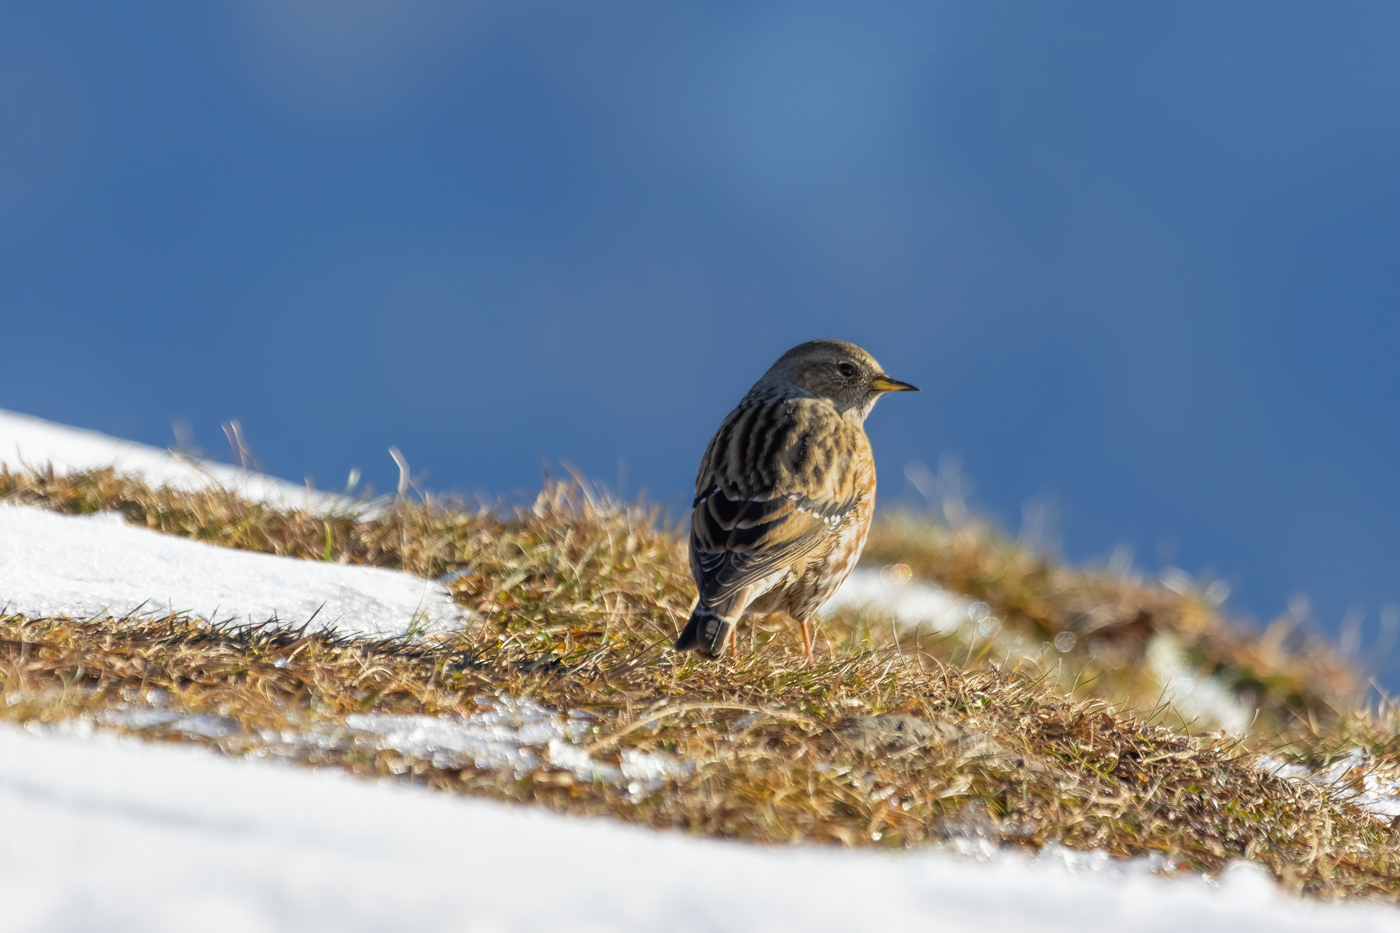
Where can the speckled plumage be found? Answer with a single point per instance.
(785, 492)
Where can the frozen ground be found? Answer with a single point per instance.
(109, 834)
(85, 566)
(117, 835)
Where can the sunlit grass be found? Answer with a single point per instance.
(577, 598)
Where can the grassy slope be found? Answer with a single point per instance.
(1115, 625)
(579, 597)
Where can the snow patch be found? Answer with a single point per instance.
(86, 567)
(511, 734)
(504, 737)
(211, 727)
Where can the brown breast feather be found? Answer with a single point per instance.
(776, 482)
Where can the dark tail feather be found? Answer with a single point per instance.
(705, 633)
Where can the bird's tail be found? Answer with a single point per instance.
(706, 633)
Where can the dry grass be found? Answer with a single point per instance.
(423, 539)
(1112, 623)
(579, 597)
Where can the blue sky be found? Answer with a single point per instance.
(1142, 259)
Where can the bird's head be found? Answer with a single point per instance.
(835, 370)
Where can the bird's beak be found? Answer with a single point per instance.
(884, 383)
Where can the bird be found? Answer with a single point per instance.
(784, 493)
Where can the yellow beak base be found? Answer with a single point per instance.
(886, 384)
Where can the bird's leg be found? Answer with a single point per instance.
(807, 642)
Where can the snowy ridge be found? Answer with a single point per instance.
(33, 443)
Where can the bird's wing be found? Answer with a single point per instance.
(776, 481)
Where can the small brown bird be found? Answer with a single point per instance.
(785, 492)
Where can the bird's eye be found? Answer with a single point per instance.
(847, 369)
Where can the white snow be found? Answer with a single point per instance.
(117, 835)
(501, 738)
(33, 443)
(87, 566)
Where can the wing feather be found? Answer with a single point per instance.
(763, 502)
